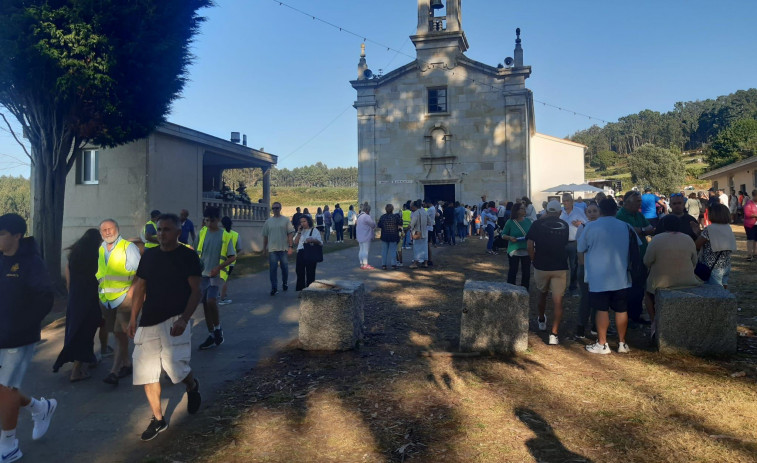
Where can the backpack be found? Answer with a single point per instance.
(338, 216)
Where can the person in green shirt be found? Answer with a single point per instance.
(630, 214)
(515, 232)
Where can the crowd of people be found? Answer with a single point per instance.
(598, 250)
(611, 253)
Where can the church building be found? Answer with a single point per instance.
(446, 127)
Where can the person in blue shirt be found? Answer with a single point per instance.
(604, 244)
(187, 228)
(649, 202)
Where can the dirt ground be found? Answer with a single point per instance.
(400, 398)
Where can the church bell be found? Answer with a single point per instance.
(436, 4)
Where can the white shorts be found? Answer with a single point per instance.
(13, 364)
(155, 350)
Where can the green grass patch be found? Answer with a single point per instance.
(291, 197)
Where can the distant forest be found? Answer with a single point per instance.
(316, 175)
(725, 129)
(15, 196)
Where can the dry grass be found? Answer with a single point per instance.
(385, 402)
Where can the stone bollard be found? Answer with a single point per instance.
(495, 318)
(331, 315)
(700, 320)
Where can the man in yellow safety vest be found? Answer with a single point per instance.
(216, 250)
(226, 222)
(149, 233)
(116, 266)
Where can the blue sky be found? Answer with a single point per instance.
(283, 78)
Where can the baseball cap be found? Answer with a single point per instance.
(554, 206)
(13, 224)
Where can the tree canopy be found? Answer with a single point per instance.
(738, 141)
(657, 168)
(81, 71)
(15, 196)
(690, 125)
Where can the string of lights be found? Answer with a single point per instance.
(366, 39)
(317, 134)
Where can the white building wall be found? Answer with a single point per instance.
(554, 161)
(734, 180)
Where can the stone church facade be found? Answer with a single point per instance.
(447, 127)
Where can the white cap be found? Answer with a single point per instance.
(554, 206)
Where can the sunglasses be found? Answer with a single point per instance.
(275, 207)
(676, 194)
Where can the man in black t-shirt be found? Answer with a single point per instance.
(167, 292)
(547, 239)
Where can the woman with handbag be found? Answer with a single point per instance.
(671, 257)
(515, 233)
(309, 252)
(419, 231)
(716, 242)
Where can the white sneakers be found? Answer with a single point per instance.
(604, 349)
(542, 324)
(553, 341)
(42, 420)
(11, 455)
(598, 348)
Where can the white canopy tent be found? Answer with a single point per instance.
(572, 188)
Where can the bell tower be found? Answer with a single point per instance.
(440, 32)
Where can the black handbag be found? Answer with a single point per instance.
(703, 271)
(312, 252)
(635, 262)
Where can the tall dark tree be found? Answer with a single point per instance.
(74, 72)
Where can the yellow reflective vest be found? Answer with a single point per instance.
(234, 241)
(224, 248)
(406, 213)
(148, 244)
(114, 279)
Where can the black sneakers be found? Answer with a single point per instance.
(218, 336)
(210, 342)
(284, 287)
(155, 427)
(274, 291)
(194, 399)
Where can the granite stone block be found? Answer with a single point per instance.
(495, 318)
(699, 320)
(331, 315)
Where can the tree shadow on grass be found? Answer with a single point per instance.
(546, 446)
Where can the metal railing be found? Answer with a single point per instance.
(238, 211)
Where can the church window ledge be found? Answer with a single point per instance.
(438, 159)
